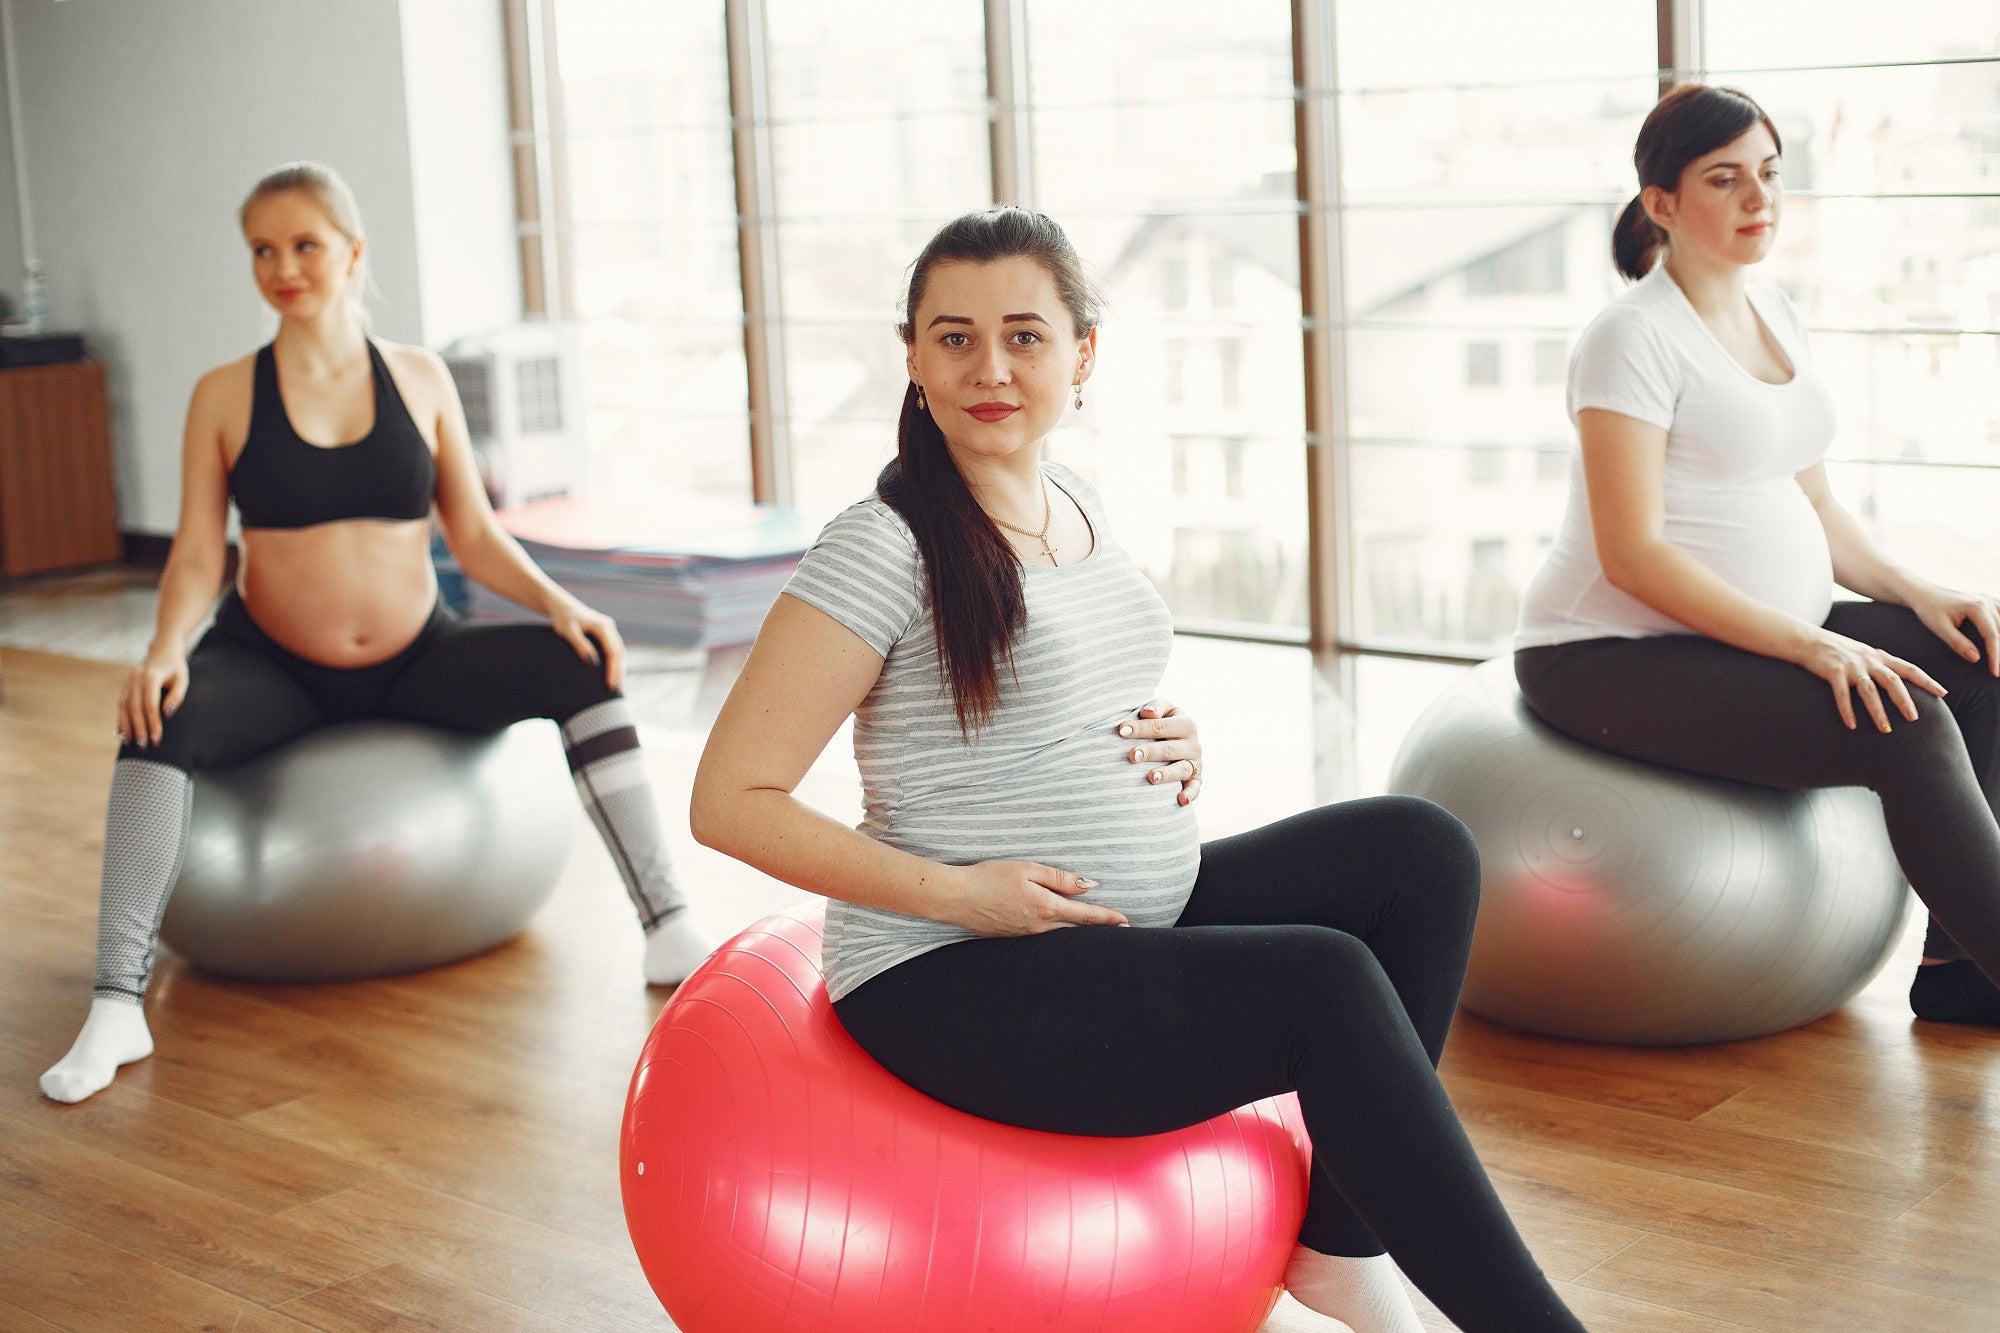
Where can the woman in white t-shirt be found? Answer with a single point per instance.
(1687, 604)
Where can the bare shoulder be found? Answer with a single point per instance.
(425, 383)
(219, 408)
(418, 367)
(227, 385)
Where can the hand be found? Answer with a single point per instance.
(1176, 746)
(1852, 667)
(152, 692)
(1942, 610)
(593, 635)
(1000, 898)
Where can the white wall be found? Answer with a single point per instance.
(11, 271)
(147, 123)
(461, 169)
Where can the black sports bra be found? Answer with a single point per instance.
(280, 481)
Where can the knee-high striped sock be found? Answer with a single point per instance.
(605, 762)
(609, 769)
(145, 837)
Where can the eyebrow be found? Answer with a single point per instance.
(1004, 319)
(1735, 166)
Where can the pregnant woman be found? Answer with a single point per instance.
(335, 447)
(1025, 928)
(1686, 614)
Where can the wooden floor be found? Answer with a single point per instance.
(438, 1151)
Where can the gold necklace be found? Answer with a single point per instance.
(1048, 515)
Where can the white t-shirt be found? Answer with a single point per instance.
(1734, 445)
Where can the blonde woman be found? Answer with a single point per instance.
(335, 448)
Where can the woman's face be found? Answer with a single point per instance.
(1728, 202)
(301, 260)
(995, 351)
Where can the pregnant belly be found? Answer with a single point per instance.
(1766, 543)
(1084, 810)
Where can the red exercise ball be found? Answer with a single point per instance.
(778, 1180)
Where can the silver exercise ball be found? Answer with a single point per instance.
(1624, 902)
(369, 849)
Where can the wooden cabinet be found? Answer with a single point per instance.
(57, 509)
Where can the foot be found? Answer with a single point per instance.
(1955, 992)
(115, 1034)
(1365, 1294)
(675, 947)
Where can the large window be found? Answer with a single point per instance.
(1482, 152)
(877, 140)
(1482, 167)
(1163, 141)
(644, 92)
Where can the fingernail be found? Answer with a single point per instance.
(1125, 729)
(1153, 776)
(1086, 883)
(1138, 753)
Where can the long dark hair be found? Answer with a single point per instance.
(974, 577)
(1689, 121)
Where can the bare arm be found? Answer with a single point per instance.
(805, 675)
(1862, 566)
(1624, 468)
(195, 564)
(1859, 565)
(488, 552)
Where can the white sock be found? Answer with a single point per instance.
(674, 948)
(1365, 1294)
(115, 1034)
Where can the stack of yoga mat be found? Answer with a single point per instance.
(684, 574)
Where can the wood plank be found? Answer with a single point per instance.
(264, 1259)
(1765, 1294)
(222, 1157)
(530, 1266)
(402, 1299)
(77, 1282)
(1950, 1263)
(1949, 1133)
(508, 1173)
(1608, 1076)
(1844, 1178)
(13, 1319)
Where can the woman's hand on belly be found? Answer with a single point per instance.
(1002, 898)
(1172, 742)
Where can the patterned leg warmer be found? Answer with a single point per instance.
(605, 762)
(145, 837)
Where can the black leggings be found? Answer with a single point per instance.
(247, 694)
(1695, 703)
(1322, 954)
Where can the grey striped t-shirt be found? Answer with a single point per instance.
(1047, 778)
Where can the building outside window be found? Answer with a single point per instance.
(1481, 169)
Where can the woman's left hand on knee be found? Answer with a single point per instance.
(1945, 610)
(593, 635)
(1170, 741)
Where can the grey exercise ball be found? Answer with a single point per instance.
(1625, 902)
(369, 849)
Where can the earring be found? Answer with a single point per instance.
(1079, 395)
(922, 405)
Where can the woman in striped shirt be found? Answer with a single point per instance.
(999, 652)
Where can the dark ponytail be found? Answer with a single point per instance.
(1689, 121)
(970, 569)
